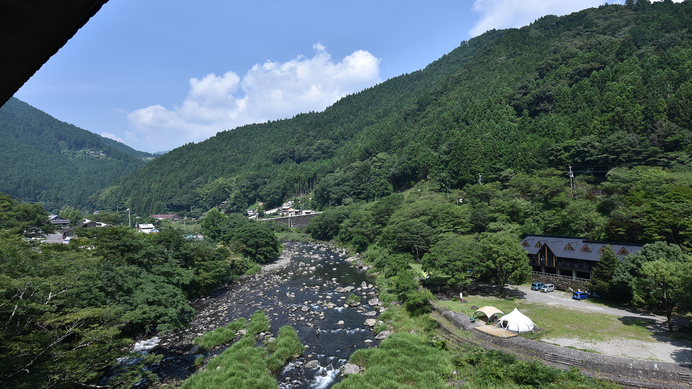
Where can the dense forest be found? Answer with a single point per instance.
(70, 311)
(598, 89)
(54, 163)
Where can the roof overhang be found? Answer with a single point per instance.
(31, 31)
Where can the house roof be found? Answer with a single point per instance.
(576, 248)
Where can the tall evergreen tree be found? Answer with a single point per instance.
(602, 274)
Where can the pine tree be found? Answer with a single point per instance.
(602, 274)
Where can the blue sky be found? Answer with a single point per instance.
(158, 74)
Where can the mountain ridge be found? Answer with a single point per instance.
(56, 163)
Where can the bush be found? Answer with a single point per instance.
(532, 373)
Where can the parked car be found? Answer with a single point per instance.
(548, 288)
(536, 286)
(580, 295)
(67, 240)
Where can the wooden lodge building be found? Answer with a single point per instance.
(569, 257)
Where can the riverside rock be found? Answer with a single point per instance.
(370, 322)
(349, 369)
(383, 335)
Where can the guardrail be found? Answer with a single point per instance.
(558, 277)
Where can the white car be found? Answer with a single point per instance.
(548, 288)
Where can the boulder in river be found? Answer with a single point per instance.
(312, 364)
(373, 302)
(370, 322)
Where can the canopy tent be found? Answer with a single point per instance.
(516, 321)
(488, 311)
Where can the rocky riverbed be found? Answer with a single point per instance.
(307, 287)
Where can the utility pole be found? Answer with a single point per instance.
(571, 180)
(129, 220)
(479, 179)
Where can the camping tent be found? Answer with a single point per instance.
(516, 321)
(488, 311)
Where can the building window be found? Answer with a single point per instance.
(623, 252)
(525, 244)
(569, 247)
(586, 249)
(602, 250)
(538, 244)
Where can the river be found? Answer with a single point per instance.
(299, 289)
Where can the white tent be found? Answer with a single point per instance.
(516, 321)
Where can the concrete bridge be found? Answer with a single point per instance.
(300, 221)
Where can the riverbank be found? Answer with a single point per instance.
(308, 287)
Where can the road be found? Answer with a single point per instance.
(565, 298)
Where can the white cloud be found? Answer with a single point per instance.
(111, 136)
(518, 13)
(272, 90)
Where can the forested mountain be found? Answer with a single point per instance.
(602, 88)
(48, 161)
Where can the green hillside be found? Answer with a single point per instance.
(48, 161)
(596, 89)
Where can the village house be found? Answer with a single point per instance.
(59, 222)
(85, 224)
(170, 216)
(570, 257)
(147, 228)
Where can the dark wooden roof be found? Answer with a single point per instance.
(31, 31)
(576, 248)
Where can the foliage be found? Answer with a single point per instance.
(68, 311)
(29, 220)
(55, 163)
(630, 267)
(503, 259)
(454, 255)
(258, 241)
(602, 274)
(325, 226)
(598, 89)
(664, 282)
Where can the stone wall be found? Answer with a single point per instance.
(292, 221)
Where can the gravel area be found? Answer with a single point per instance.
(669, 351)
(660, 348)
(565, 298)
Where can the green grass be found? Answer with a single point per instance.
(286, 346)
(244, 366)
(221, 335)
(560, 322)
(239, 366)
(258, 323)
(414, 356)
